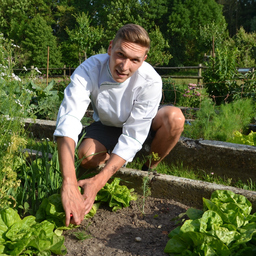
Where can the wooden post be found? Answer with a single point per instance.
(64, 71)
(47, 66)
(199, 73)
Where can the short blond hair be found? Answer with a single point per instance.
(133, 33)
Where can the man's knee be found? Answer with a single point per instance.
(171, 118)
(176, 118)
(89, 157)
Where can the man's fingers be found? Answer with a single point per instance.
(67, 220)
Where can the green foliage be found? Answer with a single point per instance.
(39, 179)
(46, 101)
(85, 36)
(240, 138)
(37, 37)
(184, 95)
(116, 195)
(212, 33)
(247, 89)
(185, 20)
(224, 227)
(28, 237)
(246, 45)
(219, 123)
(51, 209)
(220, 76)
(14, 106)
(158, 54)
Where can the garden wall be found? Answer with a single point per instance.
(224, 159)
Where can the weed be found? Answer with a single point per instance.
(82, 235)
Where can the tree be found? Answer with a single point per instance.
(246, 45)
(158, 54)
(38, 36)
(185, 19)
(84, 35)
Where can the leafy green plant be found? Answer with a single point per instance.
(219, 123)
(46, 102)
(51, 209)
(14, 102)
(27, 236)
(247, 89)
(39, 179)
(220, 76)
(182, 94)
(81, 235)
(116, 195)
(239, 138)
(192, 96)
(225, 227)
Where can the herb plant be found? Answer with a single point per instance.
(220, 122)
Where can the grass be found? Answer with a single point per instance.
(179, 170)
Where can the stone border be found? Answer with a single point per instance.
(186, 191)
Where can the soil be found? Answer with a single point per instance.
(116, 233)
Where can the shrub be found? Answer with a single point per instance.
(219, 123)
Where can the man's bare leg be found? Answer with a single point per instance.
(168, 125)
(92, 153)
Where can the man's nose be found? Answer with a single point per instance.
(125, 64)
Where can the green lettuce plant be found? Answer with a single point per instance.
(116, 195)
(224, 227)
(239, 138)
(28, 237)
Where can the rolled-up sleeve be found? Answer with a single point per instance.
(74, 105)
(136, 128)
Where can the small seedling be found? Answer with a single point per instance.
(82, 235)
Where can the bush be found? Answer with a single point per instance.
(185, 95)
(220, 76)
(219, 123)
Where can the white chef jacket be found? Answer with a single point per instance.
(131, 105)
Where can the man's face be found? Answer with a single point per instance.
(125, 59)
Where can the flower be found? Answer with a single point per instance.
(192, 85)
(37, 70)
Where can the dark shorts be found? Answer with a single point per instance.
(106, 135)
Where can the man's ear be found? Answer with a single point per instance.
(110, 47)
(145, 57)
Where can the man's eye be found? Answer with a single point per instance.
(120, 54)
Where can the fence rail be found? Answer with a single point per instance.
(67, 71)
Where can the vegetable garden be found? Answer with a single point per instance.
(31, 219)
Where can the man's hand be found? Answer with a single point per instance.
(91, 188)
(73, 203)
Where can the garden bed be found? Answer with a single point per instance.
(118, 233)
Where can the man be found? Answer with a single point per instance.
(125, 93)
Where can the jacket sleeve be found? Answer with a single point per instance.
(74, 105)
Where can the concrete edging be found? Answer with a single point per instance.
(186, 191)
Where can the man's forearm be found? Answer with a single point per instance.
(114, 163)
(66, 152)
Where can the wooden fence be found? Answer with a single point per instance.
(67, 71)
